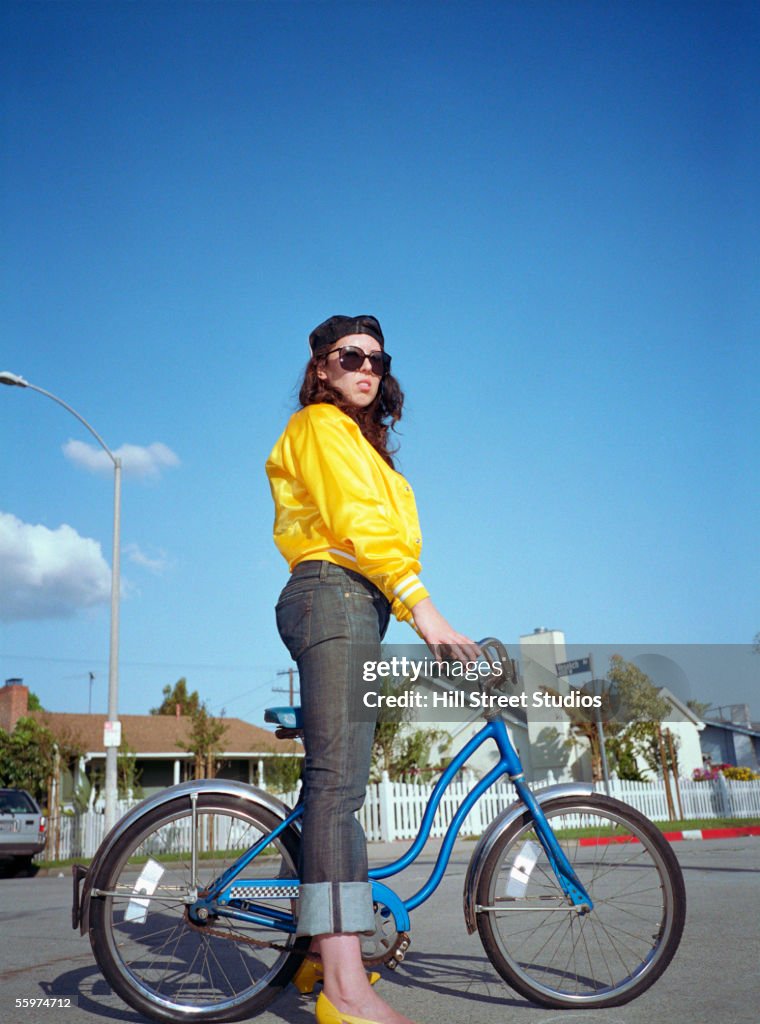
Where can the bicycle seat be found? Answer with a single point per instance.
(285, 718)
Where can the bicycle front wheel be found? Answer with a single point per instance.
(548, 952)
(155, 957)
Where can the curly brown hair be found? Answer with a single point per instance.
(375, 420)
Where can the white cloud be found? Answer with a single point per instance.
(48, 574)
(156, 565)
(136, 460)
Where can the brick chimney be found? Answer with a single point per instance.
(14, 703)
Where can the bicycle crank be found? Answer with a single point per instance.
(388, 945)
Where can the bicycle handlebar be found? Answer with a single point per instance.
(496, 654)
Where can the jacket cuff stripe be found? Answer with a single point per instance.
(410, 586)
(408, 593)
(405, 585)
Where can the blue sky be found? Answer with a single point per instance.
(552, 207)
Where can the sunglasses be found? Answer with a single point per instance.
(352, 358)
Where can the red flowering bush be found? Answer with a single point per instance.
(709, 772)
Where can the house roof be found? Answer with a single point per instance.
(690, 715)
(160, 734)
(733, 727)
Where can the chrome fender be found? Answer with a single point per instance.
(497, 828)
(225, 787)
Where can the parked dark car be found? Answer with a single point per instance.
(22, 826)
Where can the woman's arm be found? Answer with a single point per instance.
(442, 639)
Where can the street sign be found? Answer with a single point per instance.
(572, 668)
(112, 734)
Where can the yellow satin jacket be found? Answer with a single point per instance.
(337, 500)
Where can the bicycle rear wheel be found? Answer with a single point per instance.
(154, 957)
(541, 946)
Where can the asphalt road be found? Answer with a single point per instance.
(714, 979)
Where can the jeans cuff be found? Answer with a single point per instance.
(329, 908)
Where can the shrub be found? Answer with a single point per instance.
(730, 771)
(740, 774)
(708, 773)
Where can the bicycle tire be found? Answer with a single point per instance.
(557, 958)
(151, 955)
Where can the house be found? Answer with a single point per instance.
(734, 740)
(158, 741)
(447, 709)
(543, 656)
(549, 728)
(540, 729)
(440, 699)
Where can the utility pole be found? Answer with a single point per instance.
(112, 730)
(290, 672)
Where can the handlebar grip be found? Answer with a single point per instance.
(495, 652)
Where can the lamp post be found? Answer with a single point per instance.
(112, 738)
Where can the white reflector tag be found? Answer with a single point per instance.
(523, 865)
(137, 908)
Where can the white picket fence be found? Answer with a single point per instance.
(394, 810)
(78, 836)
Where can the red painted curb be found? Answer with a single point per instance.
(729, 833)
(705, 833)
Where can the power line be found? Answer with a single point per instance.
(140, 664)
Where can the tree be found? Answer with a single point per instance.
(630, 711)
(177, 696)
(622, 755)
(416, 747)
(205, 733)
(637, 696)
(584, 725)
(652, 744)
(282, 772)
(700, 708)
(397, 748)
(635, 733)
(388, 727)
(127, 773)
(28, 756)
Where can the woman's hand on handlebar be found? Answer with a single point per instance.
(442, 639)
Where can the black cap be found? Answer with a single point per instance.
(337, 327)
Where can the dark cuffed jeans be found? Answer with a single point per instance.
(331, 620)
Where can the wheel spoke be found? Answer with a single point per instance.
(616, 951)
(147, 943)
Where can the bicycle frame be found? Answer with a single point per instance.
(225, 896)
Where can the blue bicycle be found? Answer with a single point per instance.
(191, 901)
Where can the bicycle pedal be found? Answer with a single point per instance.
(399, 952)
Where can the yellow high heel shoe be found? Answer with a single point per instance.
(310, 973)
(329, 1014)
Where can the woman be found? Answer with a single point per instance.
(347, 524)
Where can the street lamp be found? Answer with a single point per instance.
(112, 737)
